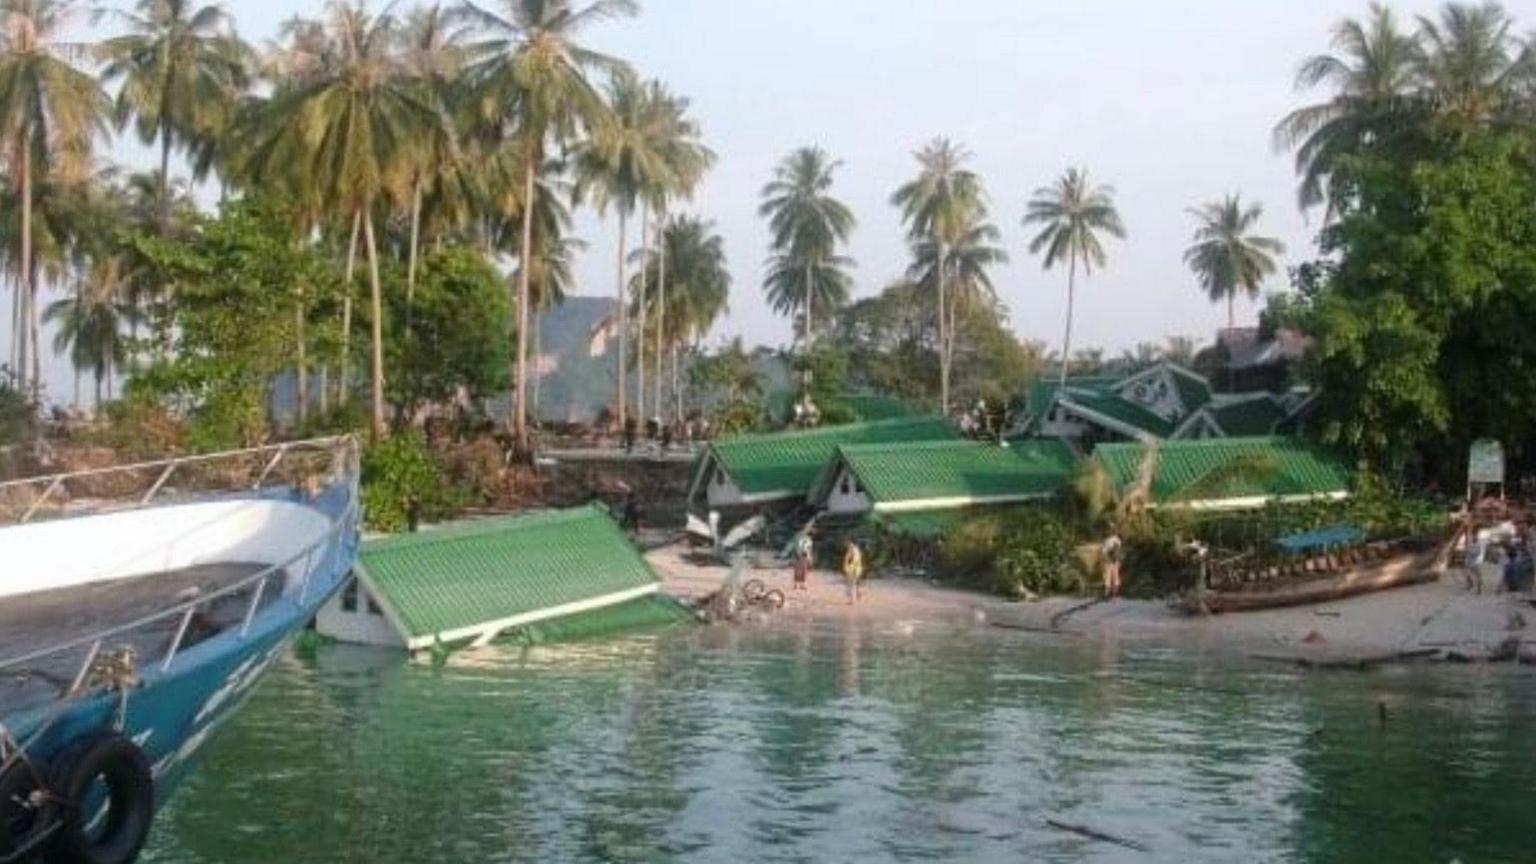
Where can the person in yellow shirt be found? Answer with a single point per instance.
(853, 569)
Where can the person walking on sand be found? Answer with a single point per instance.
(1110, 554)
(853, 570)
(803, 553)
(1472, 560)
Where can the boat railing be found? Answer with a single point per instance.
(140, 484)
(316, 557)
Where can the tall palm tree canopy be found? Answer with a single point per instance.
(941, 200)
(698, 280)
(791, 282)
(967, 263)
(1372, 71)
(57, 109)
(1471, 62)
(801, 211)
(180, 66)
(1072, 213)
(1227, 256)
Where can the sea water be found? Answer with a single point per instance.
(831, 742)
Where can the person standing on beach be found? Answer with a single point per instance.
(1110, 554)
(853, 569)
(804, 550)
(1472, 560)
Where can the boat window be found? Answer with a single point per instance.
(349, 597)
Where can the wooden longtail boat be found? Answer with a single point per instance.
(1410, 566)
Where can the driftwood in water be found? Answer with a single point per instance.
(1094, 834)
(1357, 664)
(1031, 628)
(1073, 610)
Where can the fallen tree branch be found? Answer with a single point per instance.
(1030, 628)
(1073, 610)
(1094, 834)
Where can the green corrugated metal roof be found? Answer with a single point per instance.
(493, 569)
(1248, 416)
(1124, 411)
(1194, 390)
(1268, 467)
(1043, 391)
(789, 462)
(920, 471)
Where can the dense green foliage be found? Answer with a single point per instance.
(1015, 553)
(231, 330)
(451, 336)
(400, 472)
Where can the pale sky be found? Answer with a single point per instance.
(1172, 103)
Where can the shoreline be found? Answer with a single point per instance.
(1436, 620)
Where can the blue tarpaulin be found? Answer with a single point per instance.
(1322, 538)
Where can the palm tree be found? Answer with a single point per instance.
(181, 69)
(941, 204)
(433, 56)
(617, 173)
(807, 225)
(529, 84)
(1373, 74)
(50, 116)
(685, 160)
(90, 323)
(699, 291)
(341, 135)
(966, 261)
(1471, 64)
(1226, 256)
(1072, 213)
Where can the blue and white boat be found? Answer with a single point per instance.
(130, 631)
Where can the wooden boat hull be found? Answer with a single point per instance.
(1397, 572)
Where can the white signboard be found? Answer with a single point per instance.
(1486, 463)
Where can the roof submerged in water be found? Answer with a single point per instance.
(475, 580)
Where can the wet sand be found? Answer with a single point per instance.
(1441, 616)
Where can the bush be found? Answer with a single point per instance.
(397, 471)
(1014, 553)
(16, 414)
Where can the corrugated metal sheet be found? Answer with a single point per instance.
(494, 569)
(1230, 468)
(1248, 416)
(789, 462)
(957, 470)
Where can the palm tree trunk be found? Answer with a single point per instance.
(410, 269)
(16, 329)
(943, 338)
(645, 274)
(303, 367)
(97, 409)
(27, 270)
(623, 407)
(661, 306)
(1066, 341)
(520, 373)
(1231, 309)
(376, 310)
(165, 181)
(76, 400)
(538, 365)
(344, 384)
(806, 378)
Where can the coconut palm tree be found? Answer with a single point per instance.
(1471, 64)
(1072, 213)
(941, 204)
(1373, 75)
(967, 261)
(807, 226)
(90, 323)
(432, 55)
(341, 135)
(698, 291)
(1227, 256)
(530, 86)
(181, 69)
(50, 116)
(686, 160)
(617, 173)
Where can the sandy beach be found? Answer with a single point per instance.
(1436, 620)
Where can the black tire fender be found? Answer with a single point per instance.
(120, 767)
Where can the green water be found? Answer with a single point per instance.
(833, 744)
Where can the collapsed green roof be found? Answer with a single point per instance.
(786, 464)
(1229, 471)
(910, 475)
(450, 583)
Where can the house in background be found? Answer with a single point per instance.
(781, 467)
(1164, 401)
(479, 580)
(1251, 359)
